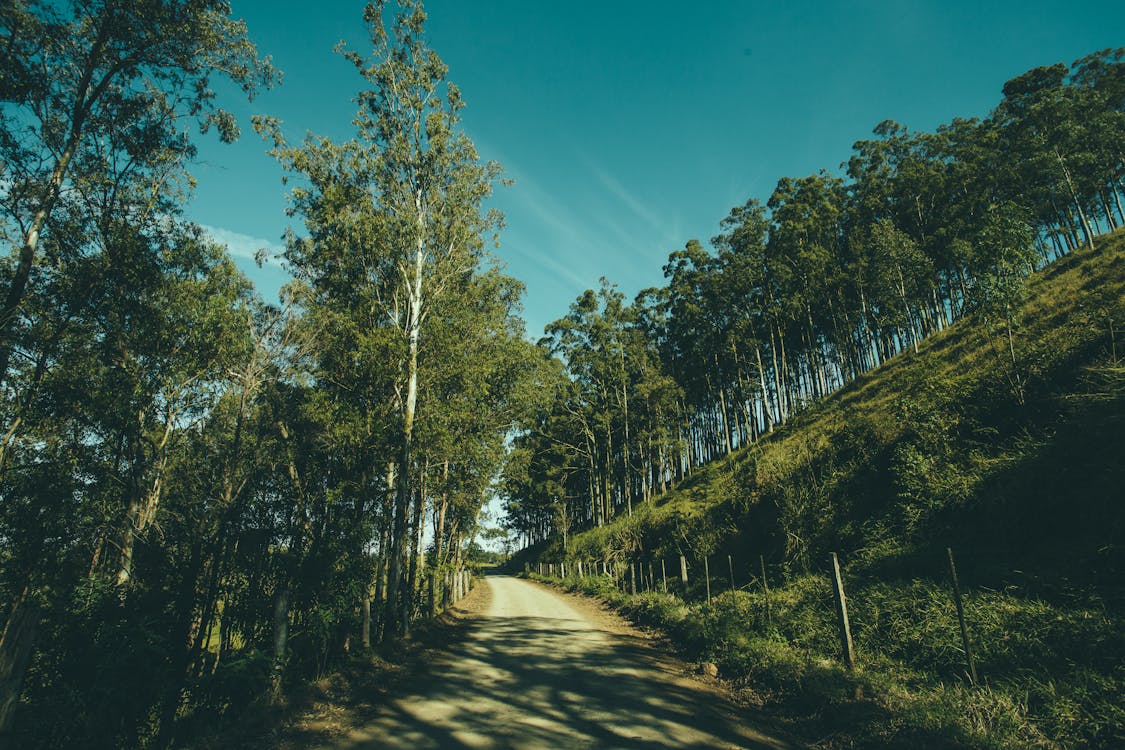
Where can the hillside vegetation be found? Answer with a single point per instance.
(1009, 451)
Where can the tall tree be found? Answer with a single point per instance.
(398, 211)
(94, 90)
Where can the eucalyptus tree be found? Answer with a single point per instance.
(395, 219)
(481, 373)
(805, 241)
(1099, 79)
(746, 293)
(594, 341)
(97, 101)
(141, 364)
(95, 90)
(554, 461)
(694, 346)
(1041, 119)
(1002, 258)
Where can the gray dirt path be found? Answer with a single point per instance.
(539, 669)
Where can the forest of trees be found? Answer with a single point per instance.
(832, 276)
(205, 497)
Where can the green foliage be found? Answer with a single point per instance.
(932, 451)
(195, 499)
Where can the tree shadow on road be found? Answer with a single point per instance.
(532, 682)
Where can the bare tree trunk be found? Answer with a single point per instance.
(1077, 203)
(280, 637)
(416, 551)
(396, 604)
(142, 506)
(16, 644)
(625, 466)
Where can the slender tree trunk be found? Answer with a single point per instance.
(906, 309)
(439, 527)
(86, 95)
(280, 637)
(416, 550)
(380, 596)
(16, 645)
(395, 575)
(765, 390)
(1077, 203)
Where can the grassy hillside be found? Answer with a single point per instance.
(1010, 451)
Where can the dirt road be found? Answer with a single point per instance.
(537, 669)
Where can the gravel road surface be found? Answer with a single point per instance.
(540, 669)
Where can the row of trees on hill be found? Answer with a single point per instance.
(829, 278)
(202, 494)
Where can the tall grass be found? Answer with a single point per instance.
(932, 450)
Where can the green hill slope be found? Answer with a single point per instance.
(1009, 449)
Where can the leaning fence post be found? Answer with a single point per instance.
(663, 576)
(842, 611)
(766, 591)
(961, 619)
(707, 579)
(730, 564)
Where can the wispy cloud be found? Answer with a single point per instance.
(563, 228)
(626, 196)
(241, 245)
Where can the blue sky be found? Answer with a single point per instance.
(630, 127)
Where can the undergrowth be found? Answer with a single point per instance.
(933, 450)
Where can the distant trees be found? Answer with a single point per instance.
(828, 279)
(204, 497)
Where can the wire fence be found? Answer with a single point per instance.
(704, 580)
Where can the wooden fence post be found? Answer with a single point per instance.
(842, 611)
(961, 619)
(730, 564)
(433, 592)
(365, 630)
(632, 578)
(707, 579)
(651, 579)
(766, 591)
(683, 574)
(663, 576)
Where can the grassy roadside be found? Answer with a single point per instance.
(906, 690)
(1016, 462)
(323, 712)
